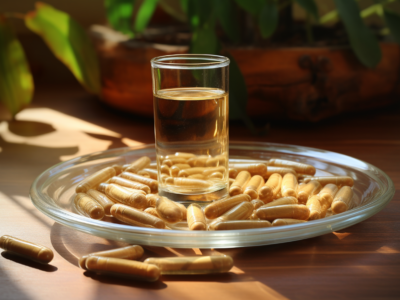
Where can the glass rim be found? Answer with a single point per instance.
(211, 61)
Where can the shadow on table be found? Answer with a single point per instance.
(27, 262)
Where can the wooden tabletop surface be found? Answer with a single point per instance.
(359, 262)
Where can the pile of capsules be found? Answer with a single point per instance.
(275, 193)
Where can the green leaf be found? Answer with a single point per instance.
(362, 41)
(226, 15)
(204, 41)
(200, 12)
(268, 19)
(393, 22)
(69, 43)
(119, 15)
(16, 83)
(252, 6)
(237, 92)
(310, 7)
(144, 15)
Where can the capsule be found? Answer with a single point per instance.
(241, 224)
(151, 200)
(168, 210)
(175, 169)
(257, 203)
(151, 173)
(342, 200)
(123, 268)
(231, 181)
(291, 211)
(125, 196)
(326, 197)
(241, 211)
(183, 210)
(282, 201)
(215, 175)
(195, 218)
(189, 183)
(130, 184)
(88, 207)
(26, 249)
(253, 169)
(192, 264)
(173, 160)
(130, 252)
(95, 179)
(191, 171)
(298, 167)
(304, 176)
(102, 187)
(271, 188)
(183, 155)
(199, 161)
(138, 164)
(314, 206)
(253, 217)
(240, 182)
(307, 190)
(233, 173)
(289, 185)
(197, 176)
(133, 216)
(152, 211)
(218, 208)
(153, 184)
(118, 169)
(209, 171)
(164, 169)
(153, 165)
(252, 187)
(338, 180)
(219, 160)
(278, 170)
(282, 222)
(183, 225)
(102, 199)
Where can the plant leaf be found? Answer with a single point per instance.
(144, 15)
(119, 15)
(204, 41)
(69, 43)
(252, 6)
(200, 12)
(237, 91)
(362, 41)
(16, 83)
(310, 7)
(268, 19)
(393, 21)
(226, 15)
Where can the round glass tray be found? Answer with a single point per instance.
(53, 190)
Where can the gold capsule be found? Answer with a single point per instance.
(189, 183)
(183, 210)
(240, 182)
(88, 207)
(289, 185)
(257, 203)
(199, 161)
(253, 217)
(182, 155)
(125, 196)
(252, 187)
(282, 201)
(133, 216)
(151, 200)
(168, 210)
(278, 170)
(192, 264)
(153, 165)
(298, 167)
(291, 211)
(95, 179)
(338, 180)
(191, 171)
(241, 224)
(183, 225)
(218, 208)
(342, 200)
(130, 184)
(241, 211)
(271, 188)
(233, 173)
(123, 268)
(314, 206)
(151, 173)
(175, 169)
(195, 218)
(165, 170)
(209, 171)
(130, 252)
(215, 175)
(102, 187)
(138, 164)
(219, 160)
(152, 211)
(197, 176)
(163, 177)
(282, 222)
(26, 249)
(118, 169)
(102, 199)
(153, 184)
(307, 190)
(172, 160)
(231, 180)
(253, 169)
(326, 197)
(304, 176)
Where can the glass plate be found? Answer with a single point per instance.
(53, 190)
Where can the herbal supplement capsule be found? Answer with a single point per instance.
(233, 173)
(102, 187)
(133, 216)
(168, 210)
(191, 171)
(139, 164)
(125, 196)
(257, 203)
(153, 184)
(199, 161)
(216, 175)
(163, 177)
(152, 211)
(303, 176)
(314, 206)
(307, 190)
(282, 201)
(125, 166)
(253, 217)
(183, 225)
(118, 169)
(148, 172)
(165, 170)
(189, 183)
(219, 160)
(282, 222)
(183, 210)
(209, 171)
(178, 167)
(326, 197)
(130, 184)
(123, 268)
(241, 224)
(129, 252)
(279, 170)
(183, 155)
(218, 208)
(172, 160)
(95, 179)
(271, 188)
(195, 218)
(26, 249)
(289, 185)
(253, 169)
(240, 212)
(88, 207)
(298, 167)
(102, 199)
(342, 200)
(338, 180)
(291, 211)
(153, 165)
(151, 200)
(192, 264)
(197, 176)
(252, 187)
(231, 180)
(240, 182)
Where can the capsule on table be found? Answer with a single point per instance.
(130, 184)
(231, 181)
(304, 176)
(241, 211)
(338, 180)
(282, 222)
(307, 190)
(189, 183)
(282, 201)
(118, 169)
(271, 188)
(153, 165)
(218, 208)
(175, 169)
(241, 224)
(233, 173)
(192, 264)
(191, 171)
(253, 186)
(289, 185)
(151, 173)
(253, 217)
(195, 218)
(278, 170)
(133, 216)
(102, 199)
(314, 206)
(102, 187)
(326, 197)
(252, 168)
(298, 167)
(152, 211)
(291, 211)
(168, 210)
(95, 179)
(29, 250)
(342, 200)
(198, 161)
(257, 203)
(138, 164)
(88, 207)
(130, 252)
(240, 182)
(125, 196)
(153, 184)
(183, 210)
(151, 200)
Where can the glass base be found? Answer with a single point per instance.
(201, 199)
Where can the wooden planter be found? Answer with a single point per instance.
(296, 83)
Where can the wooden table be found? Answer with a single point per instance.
(360, 262)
